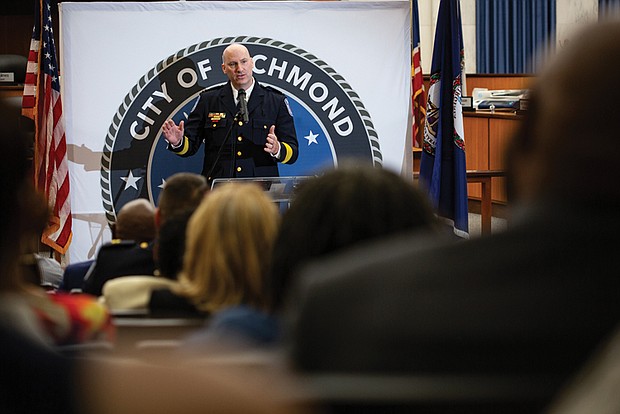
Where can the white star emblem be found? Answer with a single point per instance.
(163, 183)
(130, 180)
(311, 138)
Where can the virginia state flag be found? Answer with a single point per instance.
(442, 166)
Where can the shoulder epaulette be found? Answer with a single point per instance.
(119, 243)
(272, 89)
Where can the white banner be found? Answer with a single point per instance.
(127, 67)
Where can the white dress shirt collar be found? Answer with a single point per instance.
(248, 91)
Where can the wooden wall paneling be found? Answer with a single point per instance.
(501, 130)
(491, 82)
(417, 156)
(476, 130)
(15, 34)
(496, 82)
(6, 91)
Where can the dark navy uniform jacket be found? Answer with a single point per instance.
(119, 258)
(213, 120)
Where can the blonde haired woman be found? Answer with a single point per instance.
(229, 242)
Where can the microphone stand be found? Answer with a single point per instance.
(219, 151)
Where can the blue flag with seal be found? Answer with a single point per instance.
(442, 166)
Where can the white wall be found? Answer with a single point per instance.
(428, 9)
(571, 15)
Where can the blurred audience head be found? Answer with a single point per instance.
(24, 211)
(181, 195)
(228, 247)
(182, 191)
(135, 221)
(567, 147)
(171, 244)
(341, 208)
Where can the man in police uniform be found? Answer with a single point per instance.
(255, 147)
(130, 252)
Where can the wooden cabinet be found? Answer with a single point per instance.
(476, 130)
(501, 131)
(486, 137)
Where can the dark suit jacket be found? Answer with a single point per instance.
(35, 379)
(212, 121)
(119, 258)
(73, 276)
(534, 300)
(164, 303)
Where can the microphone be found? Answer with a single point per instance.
(243, 105)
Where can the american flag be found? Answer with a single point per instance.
(41, 102)
(417, 80)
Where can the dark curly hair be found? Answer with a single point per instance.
(340, 208)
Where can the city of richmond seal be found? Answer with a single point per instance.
(330, 119)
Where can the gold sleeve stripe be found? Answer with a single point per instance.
(185, 147)
(289, 153)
